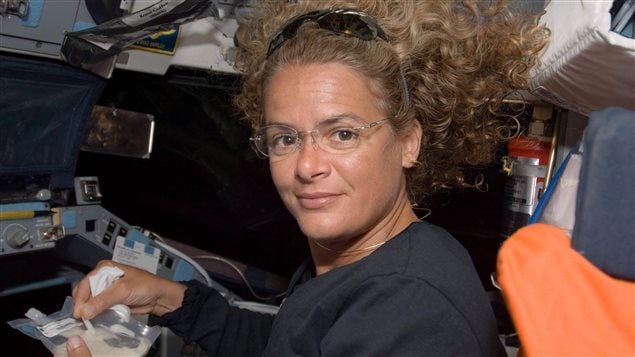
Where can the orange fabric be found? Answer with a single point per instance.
(560, 303)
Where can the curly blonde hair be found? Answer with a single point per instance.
(460, 59)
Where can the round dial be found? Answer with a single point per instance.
(16, 235)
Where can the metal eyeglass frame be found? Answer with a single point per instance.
(316, 137)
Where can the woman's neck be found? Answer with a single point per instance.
(330, 255)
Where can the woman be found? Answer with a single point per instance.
(361, 108)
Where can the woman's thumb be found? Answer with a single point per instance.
(76, 347)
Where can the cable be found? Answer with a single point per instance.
(160, 241)
(258, 307)
(240, 273)
(181, 255)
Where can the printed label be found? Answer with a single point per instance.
(56, 327)
(136, 254)
(161, 42)
(521, 194)
(149, 13)
(524, 185)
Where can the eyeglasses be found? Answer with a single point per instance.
(337, 136)
(350, 22)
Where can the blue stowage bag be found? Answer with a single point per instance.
(604, 230)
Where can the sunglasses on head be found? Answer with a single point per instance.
(345, 21)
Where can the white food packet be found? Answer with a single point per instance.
(114, 333)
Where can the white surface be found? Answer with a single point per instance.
(560, 210)
(586, 67)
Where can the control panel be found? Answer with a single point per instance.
(94, 234)
(85, 235)
(27, 227)
(40, 27)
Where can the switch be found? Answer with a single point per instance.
(111, 227)
(106, 239)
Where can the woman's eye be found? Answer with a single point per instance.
(342, 135)
(284, 140)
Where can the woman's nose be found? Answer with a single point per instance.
(311, 160)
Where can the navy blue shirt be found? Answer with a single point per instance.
(416, 295)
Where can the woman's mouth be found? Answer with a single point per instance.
(316, 200)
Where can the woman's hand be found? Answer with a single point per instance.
(143, 292)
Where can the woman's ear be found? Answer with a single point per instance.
(411, 144)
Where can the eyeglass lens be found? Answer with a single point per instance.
(337, 136)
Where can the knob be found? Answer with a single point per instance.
(17, 236)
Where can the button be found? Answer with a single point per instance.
(107, 238)
(169, 262)
(111, 227)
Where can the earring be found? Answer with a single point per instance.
(415, 164)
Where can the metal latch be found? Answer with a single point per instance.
(19, 8)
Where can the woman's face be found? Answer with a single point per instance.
(335, 197)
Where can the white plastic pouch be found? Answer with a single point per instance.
(114, 333)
